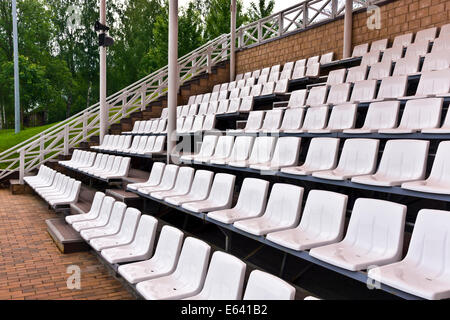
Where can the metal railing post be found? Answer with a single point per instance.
(21, 165)
(66, 140)
(41, 147)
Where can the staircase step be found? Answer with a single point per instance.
(65, 237)
(17, 188)
(129, 198)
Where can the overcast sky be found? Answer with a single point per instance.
(279, 4)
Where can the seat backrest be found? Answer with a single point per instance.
(380, 70)
(212, 109)
(422, 114)
(246, 104)
(184, 180)
(252, 197)
(256, 74)
(437, 60)
(185, 111)
(263, 79)
(193, 262)
(180, 122)
(317, 96)
(429, 241)
(379, 45)
(222, 190)
(116, 165)
(234, 105)
(149, 125)
(214, 96)
(198, 123)
(193, 110)
(356, 74)
(129, 225)
(224, 147)
(371, 58)
(245, 92)
(169, 176)
(364, 90)
(216, 88)
(223, 106)
(255, 120)
(316, 118)
(161, 126)
(359, 156)
(187, 125)
(262, 151)
(392, 54)
(426, 35)
(336, 77)
(434, 82)
(403, 40)
(124, 167)
(326, 58)
(210, 122)
(265, 71)
(417, 49)
(201, 186)
(440, 170)
(239, 77)
(299, 71)
(360, 50)
(156, 174)
(284, 205)
(406, 66)
(377, 226)
(142, 143)
(109, 163)
(232, 85)
(141, 127)
(339, 93)
(155, 126)
(272, 120)
(256, 90)
(324, 215)
(293, 119)
(404, 159)
(313, 70)
(225, 278)
(274, 76)
(264, 286)
(250, 82)
(75, 192)
(281, 86)
(441, 44)
(105, 210)
(208, 146)
(312, 60)
(135, 143)
(144, 239)
(242, 148)
(286, 151)
(198, 99)
(160, 144)
(445, 31)
(287, 71)
(168, 248)
(96, 204)
(150, 143)
(203, 108)
(298, 98)
(268, 88)
(117, 215)
(322, 153)
(343, 117)
(206, 97)
(223, 95)
(382, 115)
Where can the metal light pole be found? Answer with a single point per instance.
(233, 41)
(348, 26)
(16, 69)
(173, 77)
(103, 105)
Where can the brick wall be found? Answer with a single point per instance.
(397, 17)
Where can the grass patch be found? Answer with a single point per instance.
(9, 139)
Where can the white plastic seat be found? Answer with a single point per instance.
(272, 121)
(245, 92)
(111, 228)
(342, 117)
(223, 106)
(380, 70)
(380, 115)
(203, 109)
(254, 122)
(322, 155)
(418, 115)
(360, 50)
(403, 40)
(326, 58)
(402, 161)
(322, 223)
(187, 125)
(223, 95)
(364, 91)
(374, 237)
(256, 90)
(263, 79)
(392, 88)
(212, 108)
(262, 152)
(161, 264)
(188, 278)
(149, 146)
(425, 270)
(93, 212)
(315, 119)
(292, 121)
(167, 181)
(356, 74)
(282, 211)
(419, 49)
(426, 35)
(371, 58)
(198, 99)
(281, 86)
(222, 150)
(359, 157)
(206, 150)
(285, 155)
(392, 54)
(251, 203)
(119, 172)
(264, 286)
(182, 185)
(220, 197)
(317, 96)
(69, 196)
(336, 77)
(379, 45)
(407, 66)
(433, 83)
(313, 70)
(240, 152)
(234, 105)
(338, 94)
(297, 99)
(439, 180)
(154, 179)
(124, 236)
(246, 104)
(158, 147)
(225, 279)
(445, 129)
(441, 44)
(201, 187)
(141, 246)
(299, 71)
(268, 88)
(437, 60)
(287, 71)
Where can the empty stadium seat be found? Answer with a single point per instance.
(93, 212)
(207, 148)
(272, 121)
(392, 54)
(342, 117)
(379, 45)
(182, 185)
(167, 181)
(254, 122)
(154, 179)
(322, 222)
(111, 228)
(161, 264)
(439, 181)
(282, 211)
(407, 66)
(220, 197)
(380, 70)
(437, 60)
(101, 220)
(363, 91)
(403, 40)
(360, 50)
(223, 150)
(418, 115)
(417, 49)
(264, 286)
(224, 280)
(433, 83)
(392, 88)
(139, 249)
(322, 155)
(338, 94)
(336, 77)
(262, 152)
(358, 157)
(125, 235)
(445, 129)
(371, 58)
(380, 115)
(374, 237)
(424, 271)
(292, 121)
(285, 155)
(200, 189)
(250, 204)
(426, 35)
(241, 151)
(188, 278)
(402, 161)
(317, 96)
(356, 74)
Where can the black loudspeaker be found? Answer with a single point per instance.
(104, 40)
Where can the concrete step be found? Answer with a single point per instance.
(65, 237)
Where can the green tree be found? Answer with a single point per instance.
(218, 17)
(260, 10)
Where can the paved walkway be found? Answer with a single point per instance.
(31, 266)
